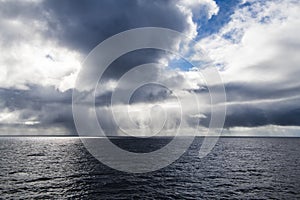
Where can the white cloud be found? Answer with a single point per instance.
(36, 60)
(260, 43)
(195, 10)
(263, 131)
(30, 58)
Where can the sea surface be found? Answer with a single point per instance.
(237, 168)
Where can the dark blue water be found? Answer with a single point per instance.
(237, 168)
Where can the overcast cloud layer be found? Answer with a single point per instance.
(254, 44)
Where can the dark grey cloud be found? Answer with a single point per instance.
(256, 104)
(251, 116)
(53, 108)
(257, 91)
(245, 91)
(284, 113)
(35, 97)
(151, 93)
(242, 114)
(81, 25)
(133, 59)
(48, 105)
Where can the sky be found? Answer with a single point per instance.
(254, 44)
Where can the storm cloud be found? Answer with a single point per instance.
(82, 26)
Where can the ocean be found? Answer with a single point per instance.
(237, 168)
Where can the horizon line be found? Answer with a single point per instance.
(76, 136)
